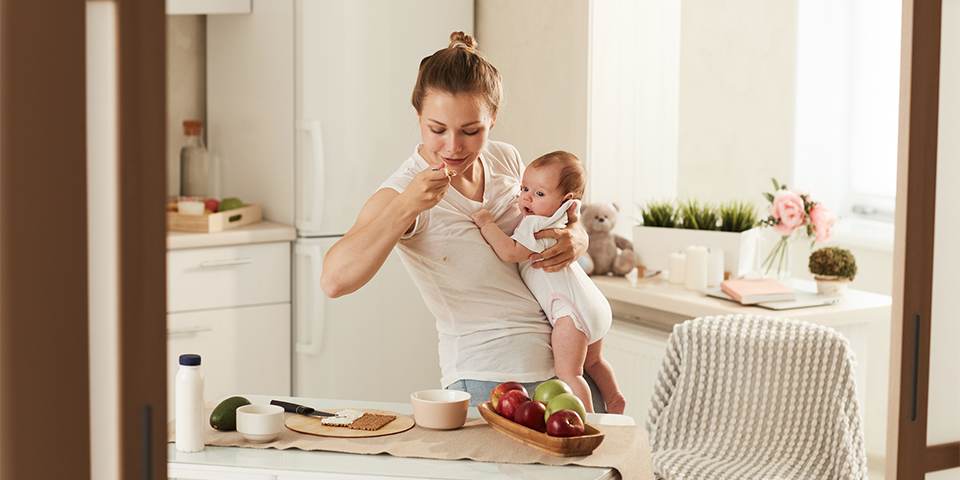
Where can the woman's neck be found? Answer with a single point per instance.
(470, 182)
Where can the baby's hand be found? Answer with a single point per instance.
(482, 218)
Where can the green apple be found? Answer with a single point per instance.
(565, 401)
(549, 389)
(229, 203)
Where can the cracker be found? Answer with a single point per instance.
(371, 421)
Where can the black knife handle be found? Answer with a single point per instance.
(293, 407)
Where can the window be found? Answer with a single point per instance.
(847, 103)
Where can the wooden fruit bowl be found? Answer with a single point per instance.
(556, 446)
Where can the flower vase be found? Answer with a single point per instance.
(778, 262)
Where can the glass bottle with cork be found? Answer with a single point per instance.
(194, 161)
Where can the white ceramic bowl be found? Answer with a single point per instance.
(440, 409)
(260, 423)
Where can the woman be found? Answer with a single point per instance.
(491, 328)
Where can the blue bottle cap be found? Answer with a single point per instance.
(190, 359)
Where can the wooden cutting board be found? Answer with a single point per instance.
(314, 426)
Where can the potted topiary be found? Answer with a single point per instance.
(833, 268)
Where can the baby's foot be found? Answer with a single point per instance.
(617, 404)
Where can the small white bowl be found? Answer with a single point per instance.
(440, 409)
(260, 423)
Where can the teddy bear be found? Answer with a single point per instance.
(608, 252)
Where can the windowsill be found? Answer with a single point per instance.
(863, 233)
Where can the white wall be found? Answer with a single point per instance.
(186, 86)
(540, 49)
(737, 69)
(634, 98)
(102, 240)
(943, 424)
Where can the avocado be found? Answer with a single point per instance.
(224, 417)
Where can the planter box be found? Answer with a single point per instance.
(653, 246)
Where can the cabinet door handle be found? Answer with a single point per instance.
(186, 330)
(221, 263)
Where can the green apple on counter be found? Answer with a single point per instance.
(549, 389)
(566, 401)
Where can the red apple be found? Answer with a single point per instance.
(565, 423)
(510, 401)
(504, 387)
(211, 204)
(530, 415)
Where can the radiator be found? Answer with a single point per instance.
(635, 353)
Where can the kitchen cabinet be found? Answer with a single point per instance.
(228, 300)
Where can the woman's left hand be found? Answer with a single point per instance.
(572, 242)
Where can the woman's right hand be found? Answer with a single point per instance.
(427, 188)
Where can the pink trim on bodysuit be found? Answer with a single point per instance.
(576, 311)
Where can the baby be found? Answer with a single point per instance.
(579, 313)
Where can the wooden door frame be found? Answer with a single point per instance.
(44, 313)
(142, 272)
(43, 240)
(908, 457)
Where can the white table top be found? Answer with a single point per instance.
(655, 302)
(233, 462)
(260, 232)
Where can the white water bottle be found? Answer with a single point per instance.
(189, 389)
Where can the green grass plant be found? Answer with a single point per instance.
(698, 216)
(659, 213)
(737, 216)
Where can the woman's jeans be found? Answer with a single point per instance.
(479, 391)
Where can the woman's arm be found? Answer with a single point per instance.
(572, 243)
(386, 216)
(508, 249)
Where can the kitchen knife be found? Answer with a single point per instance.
(301, 409)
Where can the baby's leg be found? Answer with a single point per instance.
(569, 354)
(602, 373)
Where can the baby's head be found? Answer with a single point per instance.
(551, 180)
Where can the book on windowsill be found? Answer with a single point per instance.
(753, 291)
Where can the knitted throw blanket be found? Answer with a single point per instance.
(753, 397)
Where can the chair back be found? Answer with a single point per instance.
(756, 397)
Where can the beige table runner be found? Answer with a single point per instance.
(624, 448)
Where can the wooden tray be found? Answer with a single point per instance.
(313, 425)
(556, 446)
(214, 222)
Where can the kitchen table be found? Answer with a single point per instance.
(235, 463)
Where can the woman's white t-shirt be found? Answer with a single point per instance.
(490, 326)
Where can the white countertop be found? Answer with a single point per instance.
(261, 232)
(655, 302)
(235, 462)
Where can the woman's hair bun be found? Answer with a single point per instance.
(460, 37)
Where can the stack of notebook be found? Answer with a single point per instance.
(767, 293)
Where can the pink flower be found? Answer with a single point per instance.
(787, 206)
(822, 219)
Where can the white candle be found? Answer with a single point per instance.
(715, 267)
(677, 267)
(696, 271)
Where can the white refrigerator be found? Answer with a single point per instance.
(309, 111)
